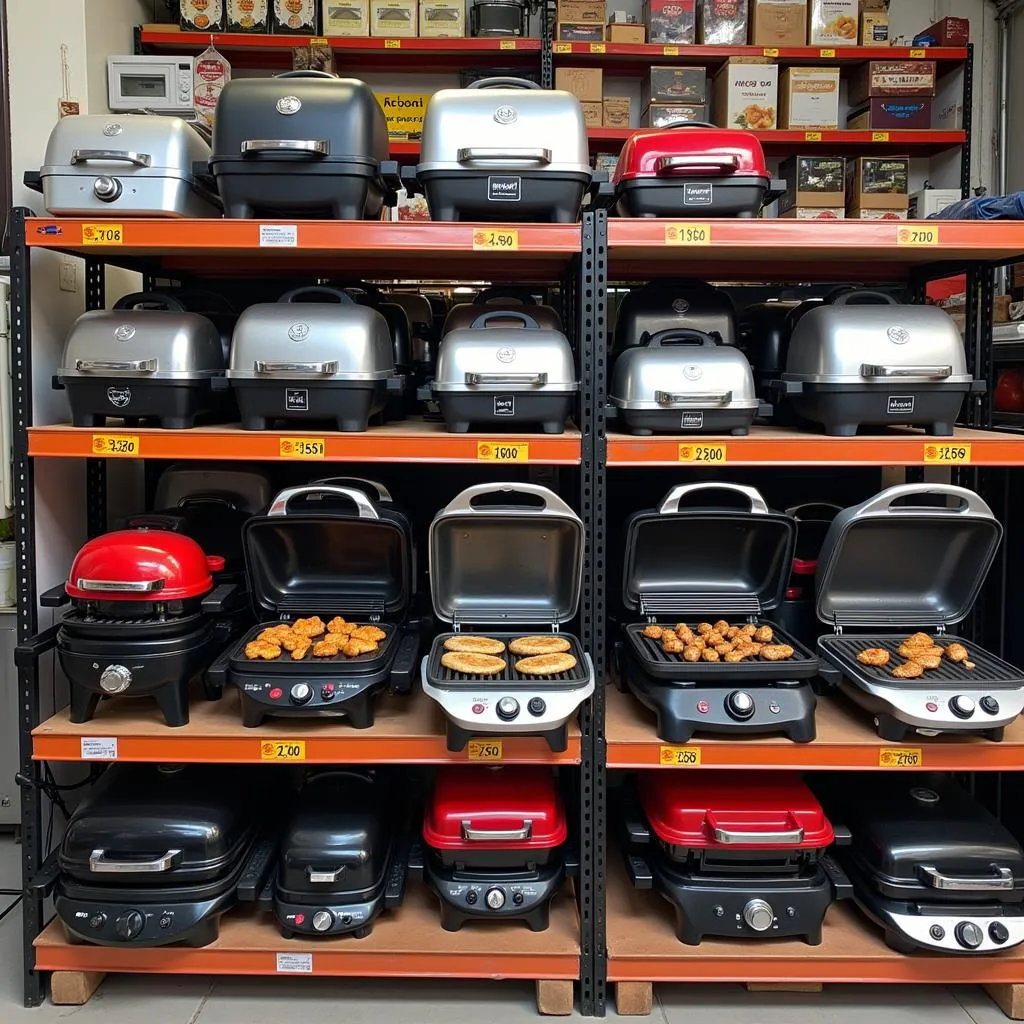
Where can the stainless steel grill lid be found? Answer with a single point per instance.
(516, 299)
(506, 350)
(506, 553)
(915, 555)
(707, 559)
(848, 341)
(682, 369)
(334, 339)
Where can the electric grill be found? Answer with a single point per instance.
(502, 298)
(496, 843)
(504, 555)
(671, 305)
(325, 550)
(928, 863)
(704, 563)
(901, 562)
(738, 855)
(245, 487)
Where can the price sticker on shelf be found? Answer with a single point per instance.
(507, 44)
(282, 750)
(279, 236)
(879, 136)
(116, 446)
(670, 51)
(561, 47)
(900, 757)
(770, 51)
(947, 454)
(704, 454)
(919, 234)
(301, 447)
(318, 41)
(687, 234)
(918, 53)
(99, 748)
(493, 451)
(496, 239)
(294, 963)
(812, 136)
(597, 48)
(484, 750)
(679, 757)
(102, 234)
(826, 53)
(392, 44)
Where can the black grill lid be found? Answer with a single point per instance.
(897, 560)
(707, 559)
(322, 547)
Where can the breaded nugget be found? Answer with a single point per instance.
(548, 644)
(473, 664)
(910, 670)
(776, 652)
(300, 652)
(732, 632)
(919, 640)
(927, 660)
(372, 633)
(875, 656)
(313, 626)
(714, 638)
(957, 653)
(354, 647)
(653, 632)
(750, 629)
(763, 634)
(721, 626)
(746, 650)
(329, 647)
(699, 642)
(474, 644)
(709, 654)
(723, 649)
(671, 644)
(291, 641)
(692, 654)
(733, 657)
(684, 633)
(334, 626)
(546, 664)
(274, 634)
(704, 627)
(258, 649)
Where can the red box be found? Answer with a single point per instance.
(949, 32)
(892, 113)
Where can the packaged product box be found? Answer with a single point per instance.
(878, 182)
(674, 85)
(394, 18)
(859, 213)
(723, 22)
(606, 162)
(201, 15)
(670, 21)
(947, 32)
(874, 28)
(891, 78)
(779, 23)
(834, 22)
(661, 115)
(813, 181)
(619, 33)
(581, 10)
(294, 17)
(580, 32)
(584, 83)
(948, 107)
(745, 94)
(593, 113)
(809, 99)
(442, 19)
(248, 16)
(345, 17)
(899, 113)
(616, 112)
(815, 213)
(929, 201)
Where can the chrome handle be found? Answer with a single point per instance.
(324, 876)
(328, 367)
(728, 835)
(121, 156)
(693, 398)
(360, 500)
(715, 163)
(100, 864)
(315, 147)
(130, 365)
(463, 501)
(383, 494)
(486, 835)
(1003, 879)
(970, 503)
(876, 370)
(506, 378)
(540, 156)
(671, 502)
(122, 586)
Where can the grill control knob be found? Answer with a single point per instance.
(98, 920)
(536, 706)
(758, 915)
(508, 708)
(128, 925)
(301, 693)
(322, 921)
(968, 934)
(115, 679)
(998, 932)
(961, 706)
(106, 188)
(740, 705)
(495, 899)
(989, 705)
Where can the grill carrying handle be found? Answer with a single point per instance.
(842, 887)
(55, 597)
(322, 291)
(315, 876)
(778, 837)
(125, 365)
(674, 497)
(639, 872)
(158, 299)
(1002, 879)
(471, 153)
(403, 668)
(824, 510)
(258, 869)
(697, 165)
(693, 398)
(372, 488)
(101, 864)
(503, 82)
(856, 297)
(678, 336)
(326, 368)
(970, 503)
(463, 501)
(121, 156)
(122, 586)
(308, 147)
(506, 378)
(505, 315)
(878, 370)
(498, 835)
(279, 507)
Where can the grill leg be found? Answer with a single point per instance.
(252, 713)
(891, 729)
(83, 704)
(360, 714)
(558, 739)
(457, 738)
(173, 703)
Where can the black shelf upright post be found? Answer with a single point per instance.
(95, 469)
(968, 100)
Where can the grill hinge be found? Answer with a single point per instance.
(941, 629)
(456, 625)
(836, 628)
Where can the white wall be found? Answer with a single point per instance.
(1015, 142)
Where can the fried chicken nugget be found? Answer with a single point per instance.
(721, 626)
(313, 626)
(300, 652)
(372, 633)
(732, 657)
(764, 634)
(704, 627)
(274, 634)
(875, 656)
(699, 642)
(671, 644)
(356, 646)
(914, 650)
(653, 632)
(328, 647)
(928, 660)
(293, 641)
(732, 632)
(692, 654)
(336, 624)
(968, 665)
(957, 653)
(724, 649)
(910, 670)
(714, 638)
(750, 629)
(684, 633)
(747, 650)
(709, 654)
(262, 649)
(919, 640)
(776, 652)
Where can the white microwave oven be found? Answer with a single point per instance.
(162, 84)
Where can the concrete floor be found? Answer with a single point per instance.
(128, 999)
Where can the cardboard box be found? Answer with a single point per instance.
(779, 23)
(874, 28)
(932, 200)
(297, 17)
(834, 22)
(674, 85)
(670, 21)
(616, 112)
(947, 32)
(396, 19)
(606, 162)
(584, 83)
(878, 182)
(346, 17)
(858, 213)
(581, 11)
(723, 22)
(891, 78)
(442, 19)
(580, 32)
(813, 181)
(745, 94)
(593, 113)
(616, 33)
(815, 213)
(899, 113)
(241, 16)
(661, 115)
(948, 107)
(809, 99)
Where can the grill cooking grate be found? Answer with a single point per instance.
(334, 663)
(438, 675)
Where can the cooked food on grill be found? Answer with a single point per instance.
(733, 657)
(329, 647)
(722, 640)
(672, 644)
(292, 641)
(539, 645)
(928, 660)
(354, 647)
(704, 627)
(274, 634)
(299, 653)
(724, 649)
(309, 627)
(907, 650)
(909, 670)
(653, 632)
(968, 665)
(336, 625)
(710, 654)
(776, 652)
(763, 635)
(684, 633)
(721, 626)
(311, 635)
(546, 664)
(474, 645)
(875, 656)
(714, 638)
(373, 634)
(473, 664)
(692, 654)
(957, 653)
(750, 629)
(262, 649)
(919, 640)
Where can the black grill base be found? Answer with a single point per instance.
(463, 409)
(358, 709)
(457, 737)
(463, 194)
(740, 197)
(644, 422)
(172, 405)
(349, 404)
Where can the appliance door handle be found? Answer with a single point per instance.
(671, 503)
(360, 500)
(327, 368)
(471, 153)
(463, 501)
(129, 365)
(693, 398)
(100, 864)
(875, 370)
(1003, 879)
(324, 876)
(731, 835)
(122, 156)
(313, 147)
(506, 378)
(122, 586)
(487, 835)
(696, 164)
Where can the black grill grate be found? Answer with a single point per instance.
(438, 675)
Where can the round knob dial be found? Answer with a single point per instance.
(989, 705)
(128, 925)
(740, 705)
(495, 899)
(536, 706)
(508, 708)
(961, 706)
(758, 915)
(322, 921)
(106, 188)
(301, 693)
(968, 934)
(115, 679)
(998, 932)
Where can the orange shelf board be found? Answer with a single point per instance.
(405, 730)
(780, 140)
(407, 441)
(846, 740)
(770, 446)
(408, 942)
(611, 54)
(642, 946)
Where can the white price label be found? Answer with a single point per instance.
(99, 748)
(279, 236)
(294, 963)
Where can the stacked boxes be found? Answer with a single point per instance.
(670, 94)
(877, 188)
(892, 94)
(580, 21)
(778, 23)
(586, 85)
(815, 187)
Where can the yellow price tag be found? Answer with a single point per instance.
(918, 53)
(282, 750)
(484, 750)
(812, 136)
(116, 446)
(826, 53)
(670, 51)
(561, 47)
(900, 757)
(318, 41)
(507, 44)
(687, 234)
(770, 51)
(879, 136)
(492, 451)
(102, 234)
(502, 239)
(704, 454)
(918, 234)
(392, 44)
(680, 757)
(947, 454)
(301, 447)
(597, 48)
